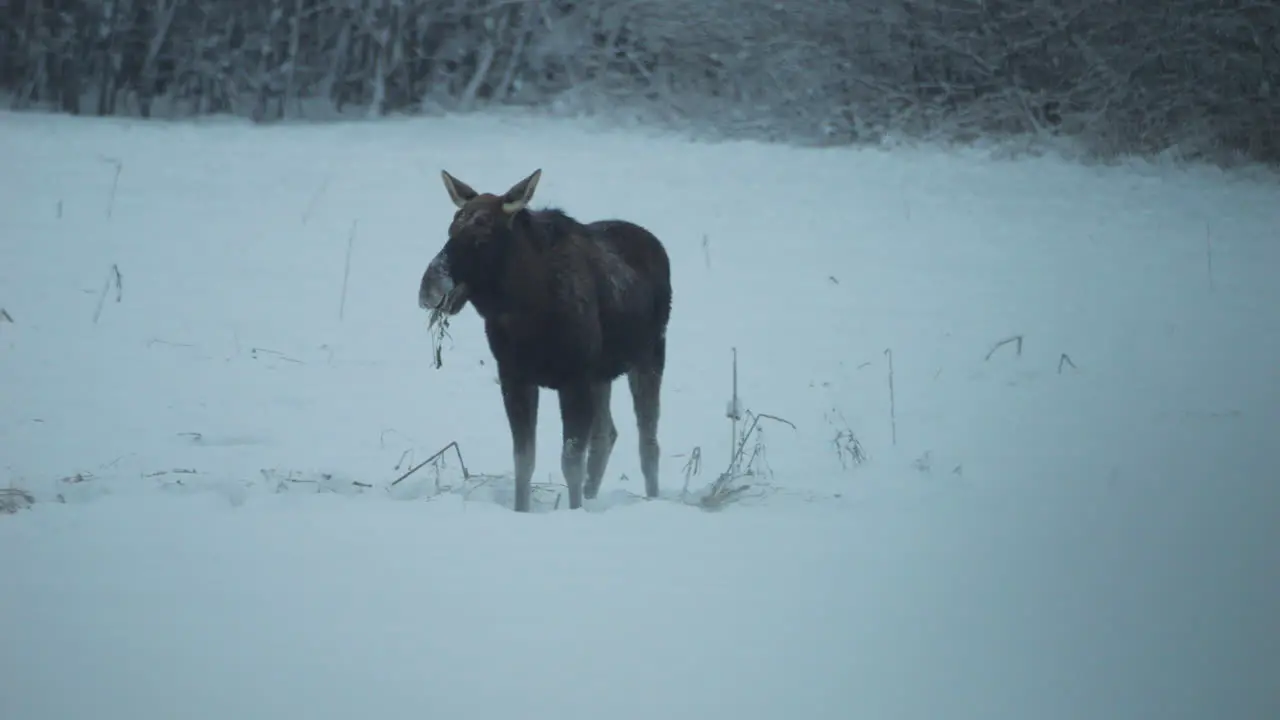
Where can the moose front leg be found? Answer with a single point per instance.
(577, 412)
(521, 402)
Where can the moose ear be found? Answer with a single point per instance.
(520, 194)
(459, 192)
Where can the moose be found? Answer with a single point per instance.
(567, 306)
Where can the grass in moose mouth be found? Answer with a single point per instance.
(438, 325)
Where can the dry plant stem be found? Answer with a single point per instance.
(254, 351)
(315, 198)
(692, 467)
(733, 411)
(113, 277)
(454, 445)
(721, 491)
(1011, 339)
(893, 404)
(1208, 251)
(742, 444)
(404, 455)
(346, 271)
(174, 471)
(115, 182)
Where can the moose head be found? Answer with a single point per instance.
(480, 236)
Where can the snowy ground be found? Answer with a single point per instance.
(1080, 525)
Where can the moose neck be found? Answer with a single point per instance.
(514, 288)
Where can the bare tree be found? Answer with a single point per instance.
(1200, 76)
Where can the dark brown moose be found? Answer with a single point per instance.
(567, 306)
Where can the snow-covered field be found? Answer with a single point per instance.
(1083, 523)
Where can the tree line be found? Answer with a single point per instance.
(1124, 76)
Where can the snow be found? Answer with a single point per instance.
(1084, 528)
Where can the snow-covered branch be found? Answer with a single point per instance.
(1146, 76)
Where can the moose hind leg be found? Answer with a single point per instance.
(603, 435)
(521, 402)
(577, 411)
(646, 386)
